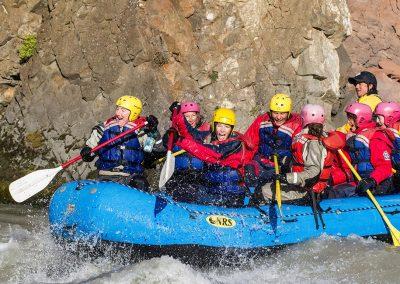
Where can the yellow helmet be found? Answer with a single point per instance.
(133, 104)
(225, 116)
(280, 103)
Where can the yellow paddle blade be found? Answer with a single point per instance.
(278, 194)
(393, 231)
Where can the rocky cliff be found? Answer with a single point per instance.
(221, 52)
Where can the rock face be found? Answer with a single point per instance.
(217, 52)
(375, 43)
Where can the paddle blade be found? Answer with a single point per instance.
(27, 186)
(167, 169)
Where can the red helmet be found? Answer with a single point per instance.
(390, 111)
(190, 106)
(312, 114)
(362, 112)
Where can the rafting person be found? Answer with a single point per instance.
(315, 166)
(369, 148)
(271, 134)
(122, 160)
(388, 117)
(188, 168)
(365, 85)
(224, 154)
(222, 184)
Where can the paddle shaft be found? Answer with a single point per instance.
(79, 157)
(177, 153)
(278, 185)
(393, 231)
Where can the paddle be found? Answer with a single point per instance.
(177, 153)
(393, 231)
(278, 185)
(31, 184)
(169, 165)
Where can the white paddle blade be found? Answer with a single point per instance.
(167, 169)
(27, 186)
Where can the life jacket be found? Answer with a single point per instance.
(185, 161)
(319, 183)
(220, 179)
(277, 139)
(359, 150)
(394, 136)
(125, 153)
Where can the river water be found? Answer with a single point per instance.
(28, 254)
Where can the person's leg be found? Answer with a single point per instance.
(140, 182)
(385, 187)
(341, 191)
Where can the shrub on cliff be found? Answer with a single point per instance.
(28, 48)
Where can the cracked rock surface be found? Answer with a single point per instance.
(220, 52)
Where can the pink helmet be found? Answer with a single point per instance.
(390, 111)
(312, 114)
(362, 112)
(189, 106)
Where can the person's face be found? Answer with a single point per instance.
(222, 131)
(122, 115)
(380, 120)
(192, 117)
(279, 118)
(351, 120)
(362, 89)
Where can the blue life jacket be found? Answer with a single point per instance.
(395, 155)
(360, 153)
(224, 180)
(126, 152)
(276, 140)
(186, 161)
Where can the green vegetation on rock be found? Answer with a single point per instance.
(213, 76)
(28, 48)
(34, 140)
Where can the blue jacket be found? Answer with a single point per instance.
(360, 153)
(126, 152)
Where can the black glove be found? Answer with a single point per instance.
(175, 105)
(87, 156)
(365, 184)
(152, 123)
(165, 138)
(281, 177)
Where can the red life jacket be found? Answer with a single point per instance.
(298, 165)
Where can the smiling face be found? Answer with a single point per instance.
(380, 120)
(122, 115)
(192, 117)
(362, 89)
(279, 118)
(222, 131)
(351, 120)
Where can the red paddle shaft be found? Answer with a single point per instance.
(79, 157)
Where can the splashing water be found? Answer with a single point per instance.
(28, 253)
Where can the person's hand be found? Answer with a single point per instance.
(281, 177)
(152, 123)
(365, 184)
(87, 156)
(175, 105)
(171, 131)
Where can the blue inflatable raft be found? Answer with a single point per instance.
(94, 211)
